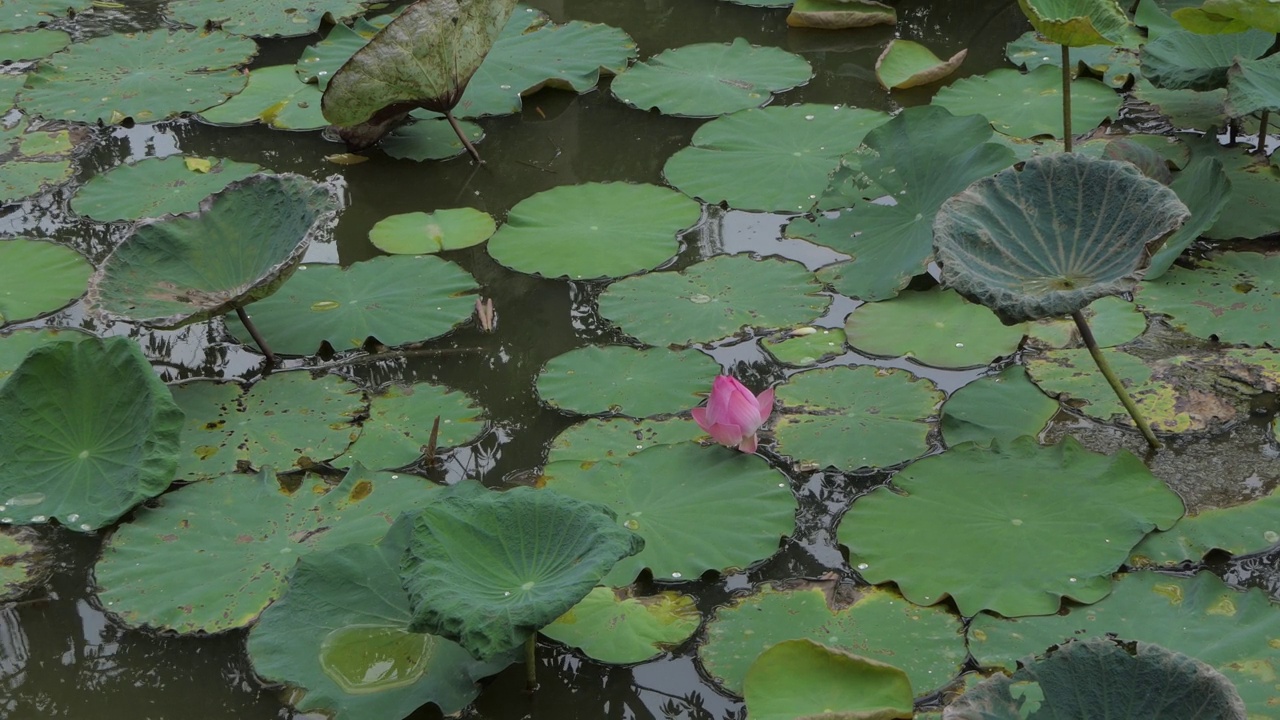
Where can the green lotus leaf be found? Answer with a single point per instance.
(840, 14)
(1249, 212)
(31, 45)
(319, 62)
(489, 569)
(663, 492)
(156, 186)
(15, 345)
(340, 634)
(775, 159)
(594, 230)
(264, 18)
(713, 299)
(29, 13)
(211, 556)
(614, 626)
(38, 277)
(1116, 65)
(710, 79)
(933, 327)
(1259, 14)
(421, 233)
(1113, 321)
(985, 516)
(430, 139)
(855, 417)
(90, 432)
(806, 349)
(1104, 677)
(23, 562)
(146, 76)
(1184, 60)
(400, 420)
(1076, 23)
(393, 299)
(1054, 236)
(1028, 105)
(999, 407)
(1232, 631)
(1205, 189)
(1234, 297)
(286, 421)
(802, 678)
(1156, 15)
(624, 380)
(1253, 85)
(1188, 109)
(596, 440)
(273, 97)
(34, 157)
(763, 3)
(1238, 530)
(926, 642)
(920, 158)
(907, 64)
(1199, 20)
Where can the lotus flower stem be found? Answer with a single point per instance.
(453, 123)
(1086, 334)
(1262, 134)
(531, 662)
(257, 336)
(1066, 98)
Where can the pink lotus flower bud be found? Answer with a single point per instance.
(733, 413)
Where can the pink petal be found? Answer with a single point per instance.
(744, 411)
(721, 393)
(727, 435)
(700, 417)
(748, 444)
(765, 401)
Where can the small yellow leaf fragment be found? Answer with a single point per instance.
(199, 165)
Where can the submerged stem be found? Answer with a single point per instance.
(1066, 98)
(1262, 134)
(1086, 334)
(453, 123)
(257, 337)
(531, 662)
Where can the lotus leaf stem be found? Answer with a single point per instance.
(1086, 334)
(453, 123)
(1262, 134)
(531, 662)
(257, 336)
(1066, 98)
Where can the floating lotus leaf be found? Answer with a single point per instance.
(340, 634)
(775, 159)
(617, 438)
(400, 420)
(1184, 60)
(1188, 109)
(490, 569)
(906, 64)
(319, 62)
(1253, 85)
(429, 140)
(156, 186)
(933, 327)
(593, 230)
(15, 345)
(23, 564)
(804, 350)
(29, 13)
(1249, 211)
(855, 417)
(285, 421)
(34, 160)
(713, 299)
(1239, 530)
(31, 45)
(614, 626)
(273, 97)
(1235, 298)
(802, 676)
(264, 18)
(624, 380)
(989, 522)
(38, 277)
(1198, 616)
(90, 432)
(1076, 23)
(710, 79)
(926, 642)
(1054, 236)
(1028, 105)
(421, 233)
(211, 556)
(1205, 189)
(1113, 321)
(1260, 14)
(1116, 65)
(1071, 375)
(999, 407)
(393, 299)
(1104, 677)
(663, 493)
(840, 14)
(146, 76)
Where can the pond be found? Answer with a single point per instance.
(855, 416)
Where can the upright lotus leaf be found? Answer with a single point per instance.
(402, 420)
(1253, 85)
(1184, 60)
(989, 523)
(1203, 186)
(710, 79)
(490, 569)
(1054, 236)
(38, 277)
(273, 97)
(716, 298)
(595, 440)
(423, 233)
(90, 432)
(1027, 105)
(146, 76)
(623, 380)
(933, 327)
(264, 18)
(614, 626)
(1116, 65)
(15, 345)
(211, 556)
(802, 678)
(1249, 212)
(29, 13)
(1258, 14)
(840, 14)
(23, 562)
(1234, 297)
(1076, 23)
(31, 45)
(340, 636)
(1104, 677)
(1238, 530)
(154, 187)
(906, 64)
(998, 407)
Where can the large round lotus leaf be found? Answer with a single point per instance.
(1113, 321)
(1235, 297)
(29, 13)
(90, 432)
(1254, 85)
(933, 327)
(710, 79)
(1104, 677)
(393, 299)
(840, 14)
(1260, 14)
(38, 277)
(713, 299)
(1054, 236)
(802, 678)
(429, 139)
(618, 438)
(663, 494)
(1027, 105)
(1205, 189)
(593, 230)
(996, 407)
(146, 76)
(15, 345)
(285, 421)
(626, 381)
(1240, 530)
(1079, 22)
(1250, 211)
(490, 569)
(907, 64)
(23, 562)
(398, 429)
(1184, 60)
(926, 642)
(156, 186)
(855, 417)
(31, 45)
(1116, 65)
(273, 97)
(988, 525)
(613, 626)
(1232, 631)
(774, 159)
(421, 233)
(211, 556)
(808, 348)
(920, 158)
(263, 18)
(1188, 109)
(236, 248)
(340, 634)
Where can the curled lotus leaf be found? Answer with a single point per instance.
(1258, 14)
(1184, 60)
(1253, 85)
(840, 14)
(1079, 22)
(907, 64)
